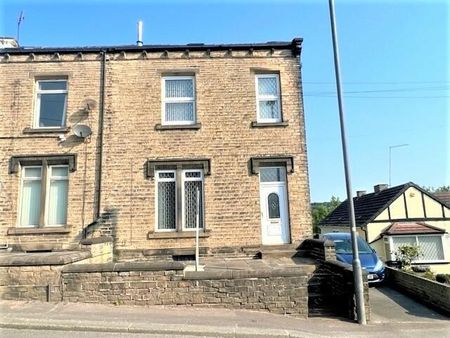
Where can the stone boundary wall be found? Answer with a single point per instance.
(282, 291)
(431, 293)
(318, 249)
(41, 283)
(331, 287)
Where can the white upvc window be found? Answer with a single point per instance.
(177, 212)
(178, 100)
(43, 196)
(166, 200)
(192, 186)
(431, 246)
(268, 103)
(50, 103)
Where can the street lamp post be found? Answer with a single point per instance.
(357, 272)
(390, 159)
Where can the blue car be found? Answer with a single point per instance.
(369, 259)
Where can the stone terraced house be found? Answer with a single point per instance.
(122, 142)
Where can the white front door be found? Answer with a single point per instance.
(274, 207)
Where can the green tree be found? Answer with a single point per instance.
(444, 188)
(321, 210)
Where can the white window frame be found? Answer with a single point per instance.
(187, 179)
(50, 177)
(165, 100)
(392, 253)
(276, 98)
(157, 180)
(37, 106)
(22, 179)
(44, 201)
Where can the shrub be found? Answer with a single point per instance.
(443, 278)
(420, 268)
(429, 275)
(407, 253)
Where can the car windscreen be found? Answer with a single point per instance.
(344, 246)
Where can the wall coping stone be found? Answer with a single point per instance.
(97, 240)
(42, 258)
(124, 267)
(238, 274)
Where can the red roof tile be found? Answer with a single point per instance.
(409, 228)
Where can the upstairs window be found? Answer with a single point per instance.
(43, 196)
(50, 105)
(178, 100)
(268, 98)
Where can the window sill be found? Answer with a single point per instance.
(256, 124)
(195, 126)
(45, 130)
(38, 231)
(177, 234)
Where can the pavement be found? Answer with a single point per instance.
(393, 315)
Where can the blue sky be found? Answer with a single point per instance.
(394, 64)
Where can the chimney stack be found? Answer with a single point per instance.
(360, 193)
(380, 187)
(139, 33)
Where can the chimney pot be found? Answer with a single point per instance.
(380, 187)
(360, 193)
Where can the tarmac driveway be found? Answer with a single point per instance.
(390, 306)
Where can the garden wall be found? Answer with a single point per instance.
(431, 293)
(281, 291)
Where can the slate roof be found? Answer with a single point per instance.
(411, 228)
(367, 207)
(444, 197)
(295, 45)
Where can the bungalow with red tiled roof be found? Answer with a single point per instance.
(391, 217)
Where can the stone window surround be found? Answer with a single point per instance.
(53, 159)
(271, 161)
(179, 165)
(171, 164)
(15, 161)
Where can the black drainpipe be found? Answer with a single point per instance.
(100, 135)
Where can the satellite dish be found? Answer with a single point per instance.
(82, 130)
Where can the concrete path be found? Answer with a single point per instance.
(190, 321)
(388, 305)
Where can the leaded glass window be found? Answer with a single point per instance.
(178, 100)
(166, 185)
(273, 203)
(430, 246)
(190, 184)
(268, 98)
(50, 105)
(272, 174)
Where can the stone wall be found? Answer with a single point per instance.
(41, 283)
(331, 287)
(331, 291)
(431, 293)
(281, 291)
(226, 135)
(318, 249)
